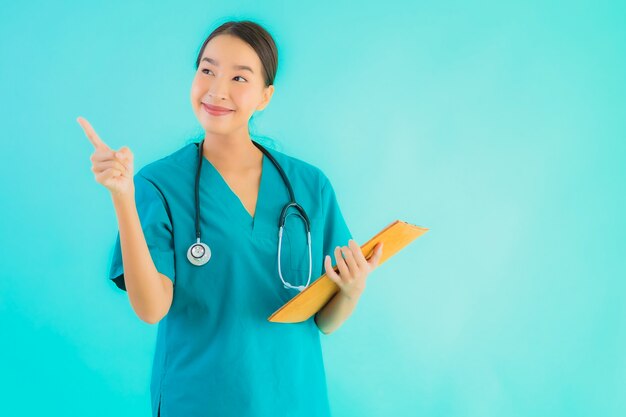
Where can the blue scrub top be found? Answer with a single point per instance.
(216, 352)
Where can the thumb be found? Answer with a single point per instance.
(124, 153)
(378, 253)
(126, 157)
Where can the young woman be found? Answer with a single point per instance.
(199, 249)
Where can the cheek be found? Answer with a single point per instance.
(196, 91)
(245, 100)
(199, 86)
(247, 96)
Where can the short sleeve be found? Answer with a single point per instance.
(336, 231)
(157, 229)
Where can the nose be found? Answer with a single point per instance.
(218, 89)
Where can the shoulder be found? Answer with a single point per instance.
(298, 168)
(174, 165)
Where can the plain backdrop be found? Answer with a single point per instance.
(500, 126)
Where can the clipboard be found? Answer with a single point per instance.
(394, 236)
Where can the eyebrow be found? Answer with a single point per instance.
(238, 67)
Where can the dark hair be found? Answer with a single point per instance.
(257, 37)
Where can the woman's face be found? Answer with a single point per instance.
(220, 82)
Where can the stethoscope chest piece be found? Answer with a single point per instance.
(199, 253)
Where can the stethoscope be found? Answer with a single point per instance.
(199, 253)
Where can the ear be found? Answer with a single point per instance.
(267, 96)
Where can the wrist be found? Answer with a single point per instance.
(123, 199)
(353, 298)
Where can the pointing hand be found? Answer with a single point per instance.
(113, 169)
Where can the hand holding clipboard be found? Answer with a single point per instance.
(395, 236)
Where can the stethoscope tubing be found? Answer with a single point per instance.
(205, 251)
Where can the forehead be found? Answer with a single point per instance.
(229, 50)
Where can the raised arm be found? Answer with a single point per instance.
(150, 292)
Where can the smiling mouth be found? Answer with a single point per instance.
(215, 111)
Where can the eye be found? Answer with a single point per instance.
(206, 69)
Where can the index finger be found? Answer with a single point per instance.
(91, 134)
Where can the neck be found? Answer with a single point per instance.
(234, 152)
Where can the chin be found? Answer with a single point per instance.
(218, 130)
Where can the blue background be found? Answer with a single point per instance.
(501, 127)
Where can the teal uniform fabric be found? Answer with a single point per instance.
(216, 352)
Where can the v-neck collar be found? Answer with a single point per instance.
(243, 216)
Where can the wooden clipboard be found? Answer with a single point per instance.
(300, 308)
